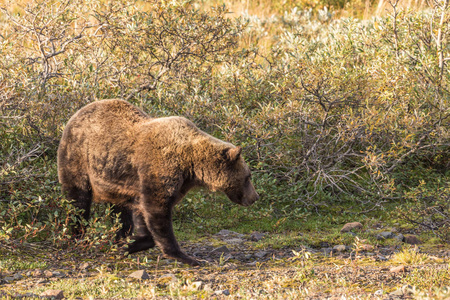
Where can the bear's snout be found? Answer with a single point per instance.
(251, 199)
(249, 202)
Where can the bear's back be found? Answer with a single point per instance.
(109, 111)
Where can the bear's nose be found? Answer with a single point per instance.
(256, 198)
(249, 201)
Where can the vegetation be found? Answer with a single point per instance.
(341, 119)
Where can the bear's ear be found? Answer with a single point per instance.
(232, 154)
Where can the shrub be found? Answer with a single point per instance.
(327, 109)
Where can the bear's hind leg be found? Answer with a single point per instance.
(143, 239)
(82, 199)
(126, 218)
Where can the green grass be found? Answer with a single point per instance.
(17, 263)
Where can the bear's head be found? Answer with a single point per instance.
(232, 176)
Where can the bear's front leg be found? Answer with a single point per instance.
(159, 222)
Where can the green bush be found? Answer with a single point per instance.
(327, 109)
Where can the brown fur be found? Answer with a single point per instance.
(113, 152)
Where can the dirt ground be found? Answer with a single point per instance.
(232, 268)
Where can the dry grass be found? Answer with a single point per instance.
(411, 256)
(282, 274)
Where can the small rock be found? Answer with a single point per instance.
(379, 293)
(59, 274)
(234, 241)
(225, 232)
(8, 279)
(385, 235)
(227, 257)
(327, 251)
(222, 249)
(223, 292)
(397, 292)
(38, 273)
(400, 237)
(18, 276)
(140, 274)
(351, 226)
(261, 254)
(339, 248)
(48, 273)
(84, 266)
(399, 269)
(256, 236)
(169, 278)
(381, 257)
(412, 240)
(366, 247)
(196, 285)
(407, 289)
(54, 294)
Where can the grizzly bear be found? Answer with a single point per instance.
(111, 151)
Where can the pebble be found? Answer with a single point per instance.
(339, 248)
(224, 232)
(59, 274)
(234, 241)
(41, 281)
(412, 240)
(248, 256)
(222, 249)
(407, 289)
(327, 251)
(385, 235)
(400, 237)
(196, 285)
(256, 236)
(381, 257)
(366, 247)
(169, 278)
(54, 294)
(399, 269)
(379, 293)
(84, 266)
(397, 292)
(48, 273)
(261, 254)
(351, 226)
(140, 274)
(223, 292)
